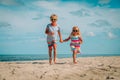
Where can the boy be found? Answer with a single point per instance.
(52, 31)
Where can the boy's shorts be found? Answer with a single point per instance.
(50, 44)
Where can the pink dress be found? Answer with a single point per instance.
(75, 43)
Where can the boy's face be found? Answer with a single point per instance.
(53, 19)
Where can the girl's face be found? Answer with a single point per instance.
(75, 31)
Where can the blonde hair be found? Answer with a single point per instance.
(78, 33)
(53, 15)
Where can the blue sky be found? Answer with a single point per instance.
(23, 22)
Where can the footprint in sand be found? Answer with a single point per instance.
(13, 71)
(43, 75)
(4, 79)
(109, 77)
(83, 75)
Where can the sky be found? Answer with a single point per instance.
(23, 23)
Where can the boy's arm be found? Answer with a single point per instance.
(46, 31)
(60, 36)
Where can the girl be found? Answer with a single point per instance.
(76, 40)
(52, 31)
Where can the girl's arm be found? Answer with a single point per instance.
(66, 39)
(81, 41)
(80, 38)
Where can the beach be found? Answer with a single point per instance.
(87, 68)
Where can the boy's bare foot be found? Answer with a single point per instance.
(54, 62)
(50, 61)
(75, 62)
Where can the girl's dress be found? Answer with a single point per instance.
(75, 43)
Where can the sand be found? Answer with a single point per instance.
(87, 68)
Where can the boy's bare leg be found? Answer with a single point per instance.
(55, 52)
(50, 55)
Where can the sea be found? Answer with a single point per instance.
(31, 57)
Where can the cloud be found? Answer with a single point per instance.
(46, 4)
(9, 2)
(39, 16)
(111, 35)
(4, 24)
(103, 2)
(17, 5)
(69, 13)
(100, 23)
(92, 34)
(82, 12)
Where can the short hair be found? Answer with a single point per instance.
(53, 15)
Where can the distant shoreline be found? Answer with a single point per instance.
(8, 58)
(61, 54)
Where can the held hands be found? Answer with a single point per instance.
(61, 41)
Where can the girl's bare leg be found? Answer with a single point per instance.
(74, 57)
